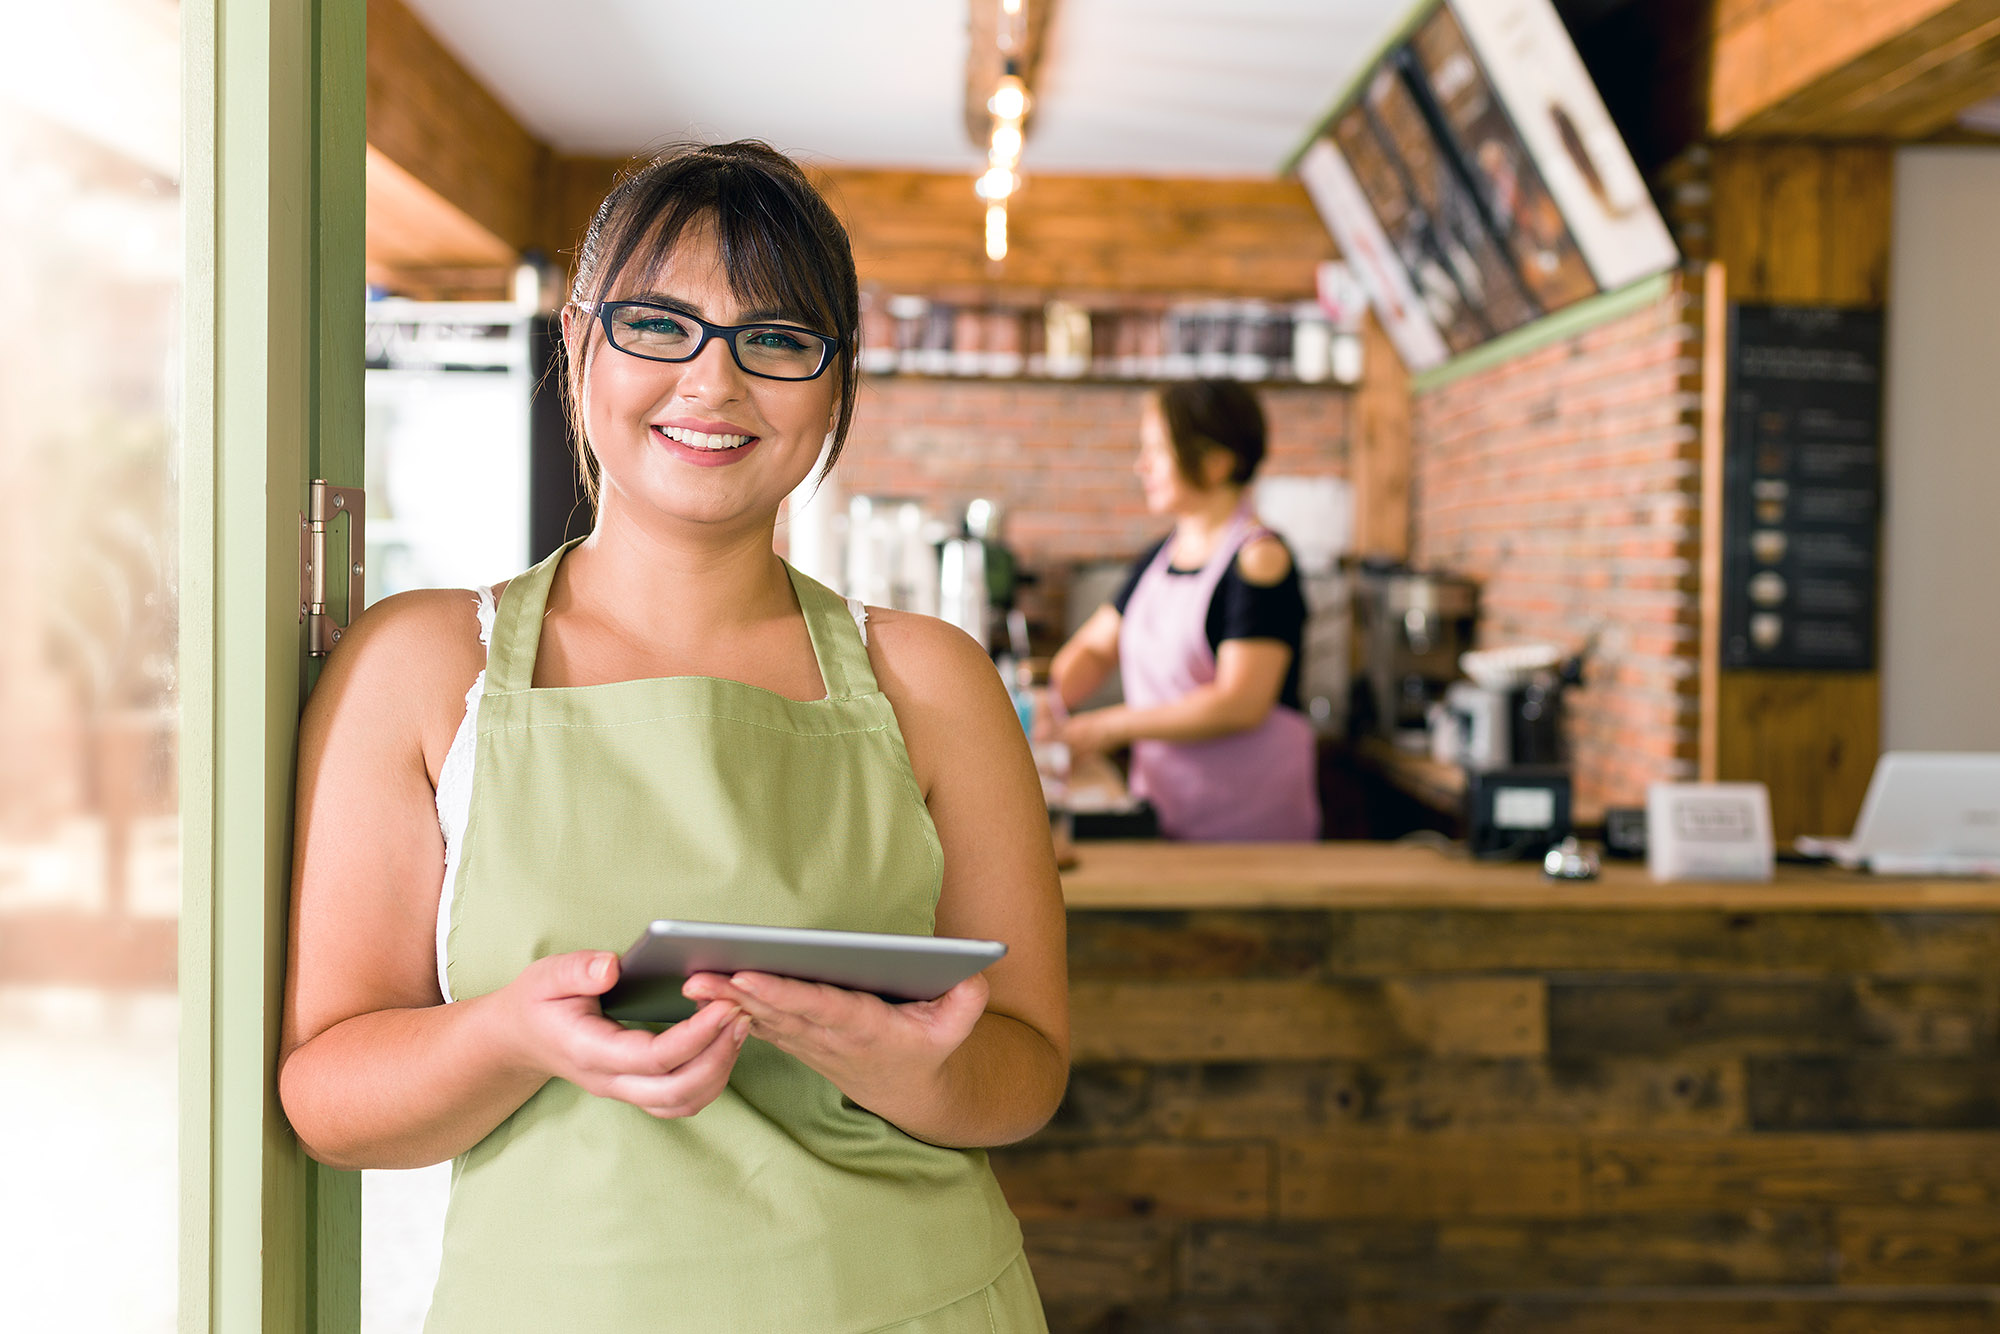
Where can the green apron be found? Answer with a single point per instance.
(781, 1206)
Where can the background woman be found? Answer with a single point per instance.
(671, 723)
(1205, 636)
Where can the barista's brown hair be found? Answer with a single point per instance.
(1212, 414)
(781, 246)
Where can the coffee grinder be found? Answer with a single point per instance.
(1410, 628)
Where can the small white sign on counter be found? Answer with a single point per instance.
(1709, 831)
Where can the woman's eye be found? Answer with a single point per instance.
(656, 326)
(776, 340)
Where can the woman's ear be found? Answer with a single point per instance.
(1218, 466)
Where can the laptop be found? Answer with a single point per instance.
(1926, 813)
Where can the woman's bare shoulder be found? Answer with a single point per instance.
(407, 663)
(1264, 560)
(949, 701)
(922, 657)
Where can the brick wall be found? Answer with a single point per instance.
(1567, 482)
(1058, 456)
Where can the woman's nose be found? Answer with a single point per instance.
(711, 374)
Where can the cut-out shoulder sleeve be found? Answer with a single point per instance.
(454, 792)
(487, 608)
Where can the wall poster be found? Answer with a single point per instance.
(1477, 183)
(1802, 488)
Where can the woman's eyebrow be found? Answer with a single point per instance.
(759, 316)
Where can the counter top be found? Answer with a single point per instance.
(1161, 875)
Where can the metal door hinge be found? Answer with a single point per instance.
(322, 631)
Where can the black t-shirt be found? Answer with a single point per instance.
(1240, 609)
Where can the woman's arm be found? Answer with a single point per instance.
(1249, 673)
(1091, 654)
(986, 1063)
(374, 1070)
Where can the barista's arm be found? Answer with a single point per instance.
(1091, 654)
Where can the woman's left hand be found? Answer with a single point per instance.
(886, 1058)
(1096, 732)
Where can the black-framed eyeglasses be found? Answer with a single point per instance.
(661, 333)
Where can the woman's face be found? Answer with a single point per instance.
(700, 441)
(1167, 490)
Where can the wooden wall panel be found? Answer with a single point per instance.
(1303, 1021)
(918, 231)
(1253, 238)
(1426, 1095)
(1380, 455)
(1353, 1175)
(1153, 1179)
(1808, 223)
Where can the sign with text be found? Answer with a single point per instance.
(1802, 488)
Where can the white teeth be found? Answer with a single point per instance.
(702, 439)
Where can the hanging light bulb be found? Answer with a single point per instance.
(996, 232)
(996, 184)
(1006, 151)
(1010, 98)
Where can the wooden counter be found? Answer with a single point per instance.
(1422, 875)
(1360, 1087)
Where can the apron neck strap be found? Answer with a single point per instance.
(836, 639)
(517, 625)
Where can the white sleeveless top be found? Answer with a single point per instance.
(454, 784)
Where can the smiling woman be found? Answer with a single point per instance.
(672, 723)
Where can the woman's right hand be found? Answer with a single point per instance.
(554, 1027)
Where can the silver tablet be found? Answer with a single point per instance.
(896, 968)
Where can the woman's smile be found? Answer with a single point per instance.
(705, 444)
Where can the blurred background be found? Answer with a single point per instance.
(90, 242)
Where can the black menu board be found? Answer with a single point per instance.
(1802, 488)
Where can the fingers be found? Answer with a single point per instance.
(607, 1048)
(578, 973)
(691, 1086)
(962, 1005)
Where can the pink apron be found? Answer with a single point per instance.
(1260, 785)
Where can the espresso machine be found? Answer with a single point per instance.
(1410, 628)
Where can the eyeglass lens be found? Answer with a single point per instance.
(775, 350)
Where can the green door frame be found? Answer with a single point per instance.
(273, 198)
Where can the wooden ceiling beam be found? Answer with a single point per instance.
(1850, 69)
(440, 127)
(984, 64)
(1084, 235)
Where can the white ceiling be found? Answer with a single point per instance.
(1148, 87)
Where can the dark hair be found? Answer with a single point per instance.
(782, 248)
(1212, 414)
